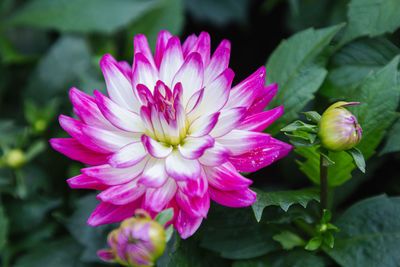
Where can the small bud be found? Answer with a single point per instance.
(338, 127)
(139, 241)
(15, 158)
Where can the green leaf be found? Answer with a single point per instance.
(288, 240)
(329, 239)
(3, 228)
(283, 199)
(314, 243)
(352, 63)
(295, 68)
(167, 15)
(51, 77)
(312, 116)
(358, 158)
(63, 252)
(369, 234)
(165, 216)
(83, 16)
(235, 234)
(293, 258)
(372, 18)
(300, 126)
(393, 140)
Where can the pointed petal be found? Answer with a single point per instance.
(106, 255)
(172, 61)
(114, 176)
(258, 122)
(126, 69)
(218, 63)
(239, 141)
(119, 88)
(143, 72)
(202, 46)
(216, 155)
(256, 158)
(226, 178)
(109, 213)
(85, 182)
(234, 199)
(188, 44)
(194, 100)
(122, 194)
(284, 147)
(128, 155)
(181, 169)
(154, 174)
(191, 76)
(156, 199)
(162, 41)
(156, 149)
(141, 45)
(203, 125)
(74, 150)
(194, 147)
(243, 94)
(265, 96)
(120, 117)
(228, 120)
(187, 225)
(86, 109)
(193, 206)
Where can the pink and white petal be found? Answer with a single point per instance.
(156, 199)
(74, 150)
(128, 155)
(156, 149)
(194, 188)
(182, 169)
(243, 94)
(188, 44)
(216, 94)
(114, 176)
(122, 194)
(194, 100)
(186, 225)
(226, 178)
(203, 125)
(108, 213)
(141, 45)
(218, 63)
(191, 76)
(194, 206)
(172, 61)
(256, 159)
(74, 128)
(82, 181)
(120, 117)
(234, 199)
(86, 109)
(162, 41)
(154, 174)
(110, 141)
(284, 147)
(203, 46)
(240, 141)
(144, 72)
(126, 69)
(145, 114)
(228, 120)
(119, 88)
(258, 122)
(194, 147)
(214, 156)
(263, 99)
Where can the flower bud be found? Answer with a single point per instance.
(139, 241)
(338, 127)
(15, 158)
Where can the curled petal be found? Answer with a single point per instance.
(172, 61)
(122, 194)
(203, 125)
(143, 72)
(154, 174)
(156, 149)
(141, 45)
(194, 147)
(128, 155)
(162, 41)
(181, 169)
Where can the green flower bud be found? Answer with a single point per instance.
(338, 127)
(139, 241)
(15, 158)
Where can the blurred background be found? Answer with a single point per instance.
(48, 46)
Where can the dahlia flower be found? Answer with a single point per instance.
(171, 133)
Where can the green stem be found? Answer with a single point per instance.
(323, 183)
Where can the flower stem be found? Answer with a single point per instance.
(323, 183)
